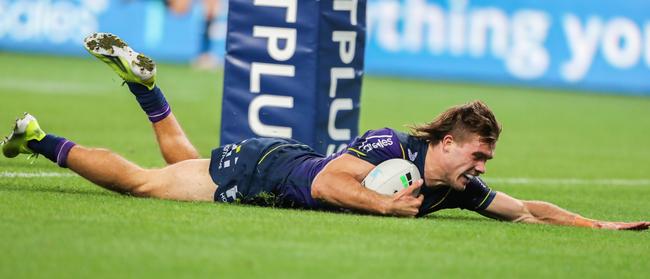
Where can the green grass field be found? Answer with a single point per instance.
(585, 152)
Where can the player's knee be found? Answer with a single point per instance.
(146, 185)
(148, 190)
(317, 189)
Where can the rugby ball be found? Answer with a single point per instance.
(391, 176)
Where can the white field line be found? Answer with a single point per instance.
(74, 88)
(45, 86)
(493, 180)
(567, 181)
(8, 174)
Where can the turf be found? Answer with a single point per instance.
(62, 226)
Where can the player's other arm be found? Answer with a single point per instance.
(339, 184)
(507, 208)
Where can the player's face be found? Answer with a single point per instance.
(466, 158)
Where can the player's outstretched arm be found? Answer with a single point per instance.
(339, 184)
(507, 208)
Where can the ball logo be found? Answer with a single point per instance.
(406, 179)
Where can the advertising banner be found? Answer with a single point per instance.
(150, 27)
(579, 44)
(293, 69)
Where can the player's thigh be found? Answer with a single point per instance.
(187, 180)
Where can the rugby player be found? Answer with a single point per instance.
(451, 152)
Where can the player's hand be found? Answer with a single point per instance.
(635, 226)
(406, 203)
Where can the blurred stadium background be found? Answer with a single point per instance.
(568, 80)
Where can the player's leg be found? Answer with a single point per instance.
(174, 144)
(187, 180)
(139, 73)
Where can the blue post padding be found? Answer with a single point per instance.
(280, 56)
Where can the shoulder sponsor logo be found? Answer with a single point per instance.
(412, 155)
(376, 143)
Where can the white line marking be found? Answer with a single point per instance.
(7, 174)
(567, 181)
(49, 86)
(75, 88)
(494, 181)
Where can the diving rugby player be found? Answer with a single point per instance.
(451, 152)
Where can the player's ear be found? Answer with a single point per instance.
(447, 142)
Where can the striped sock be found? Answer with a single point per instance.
(152, 101)
(52, 147)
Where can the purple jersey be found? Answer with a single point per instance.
(377, 146)
(268, 171)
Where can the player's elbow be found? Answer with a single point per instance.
(525, 218)
(525, 215)
(324, 187)
(518, 212)
(316, 192)
(318, 187)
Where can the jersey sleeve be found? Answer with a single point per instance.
(376, 146)
(477, 195)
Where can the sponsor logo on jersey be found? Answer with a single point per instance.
(224, 161)
(412, 155)
(230, 194)
(378, 143)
